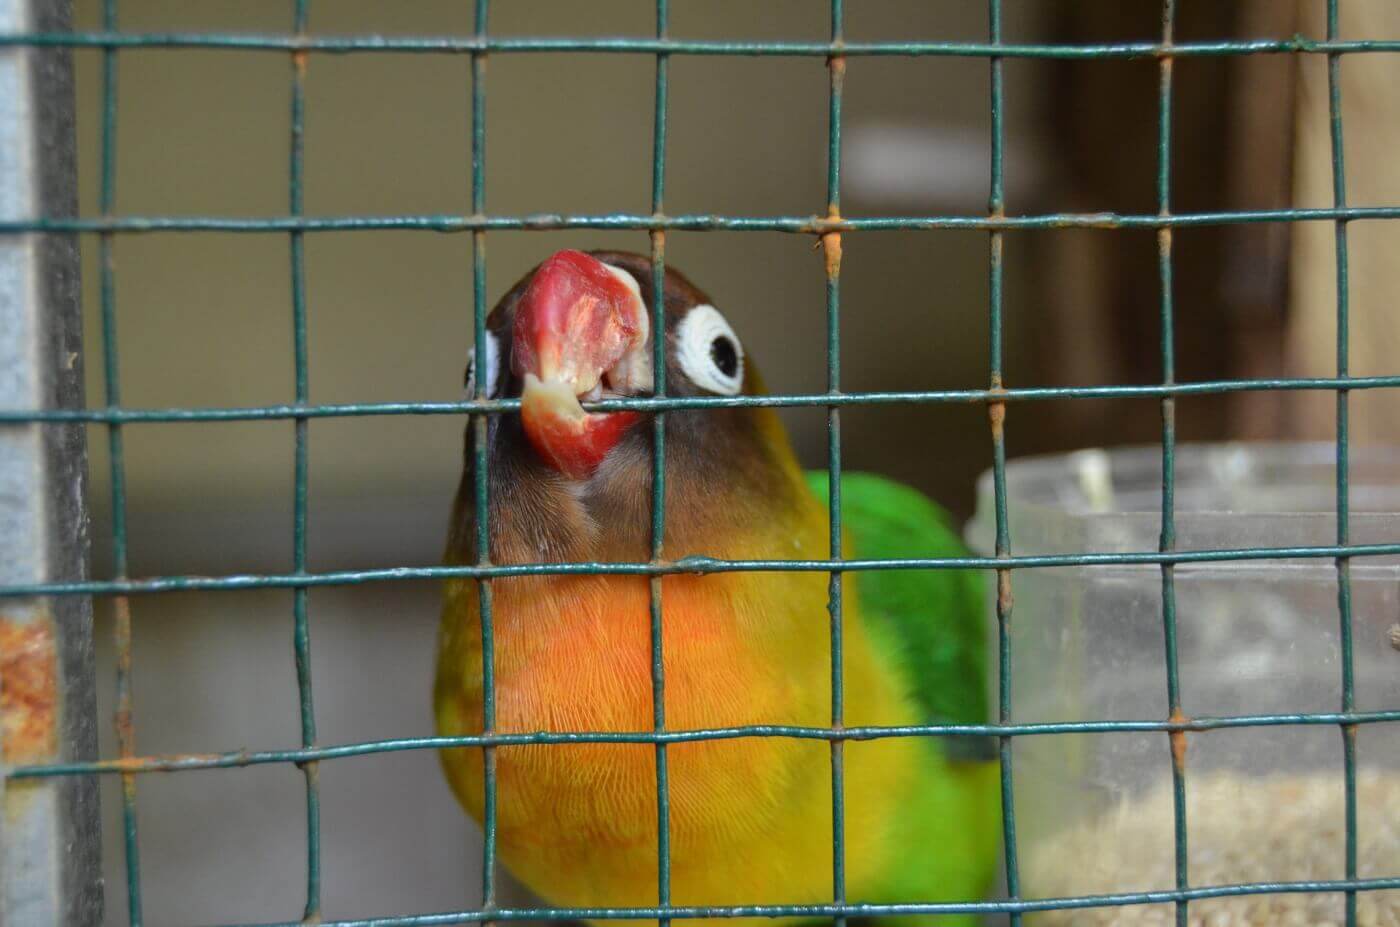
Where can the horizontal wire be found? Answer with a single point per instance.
(241, 758)
(811, 225)
(651, 46)
(645, 404)
(864, 910)
(686, 565)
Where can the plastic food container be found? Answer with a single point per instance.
(1259, 637)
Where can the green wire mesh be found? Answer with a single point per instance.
(828, 228)
(1168, 538)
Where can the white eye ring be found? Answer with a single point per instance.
(696, 337)
(493, 368)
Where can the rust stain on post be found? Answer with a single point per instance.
(28, 689)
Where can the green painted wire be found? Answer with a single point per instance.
(301, 630)
(686, 565)
(832, 261)
(1339, 199)
(865, 910)
(658, 467)
(241, 758)
(996, 207)
(1167, 541)
(644, 46)
(648, 404)
(124, 716)
(481, 478)
(619, 221)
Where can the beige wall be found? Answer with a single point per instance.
(1371, 121)
(205, 318)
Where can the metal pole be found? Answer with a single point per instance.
(50, 869)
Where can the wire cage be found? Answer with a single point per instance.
(50, 867)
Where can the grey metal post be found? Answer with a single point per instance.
(50, 869)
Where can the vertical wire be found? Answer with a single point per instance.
(124, 716)
(996, 413)
(301, 627)
(1339, 199)
(831, 243)
(1167, 543)
(658, 464)
(480, 463)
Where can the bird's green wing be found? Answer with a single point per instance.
(931, 624)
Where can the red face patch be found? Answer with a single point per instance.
(575, 320)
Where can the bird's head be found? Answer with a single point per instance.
(579, 327)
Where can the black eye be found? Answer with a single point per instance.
(725, 356)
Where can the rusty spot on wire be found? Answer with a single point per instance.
(1178, 738)
(1005, 598)
(122, 717)
(299, 57)
(996, 414)
(831, 251)
(28, 688)
(174, 762)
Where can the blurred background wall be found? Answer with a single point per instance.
(204, 320)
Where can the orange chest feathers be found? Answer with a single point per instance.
(575, 654)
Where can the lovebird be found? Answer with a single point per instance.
(750, 817)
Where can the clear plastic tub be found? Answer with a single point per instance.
(1094, 811)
